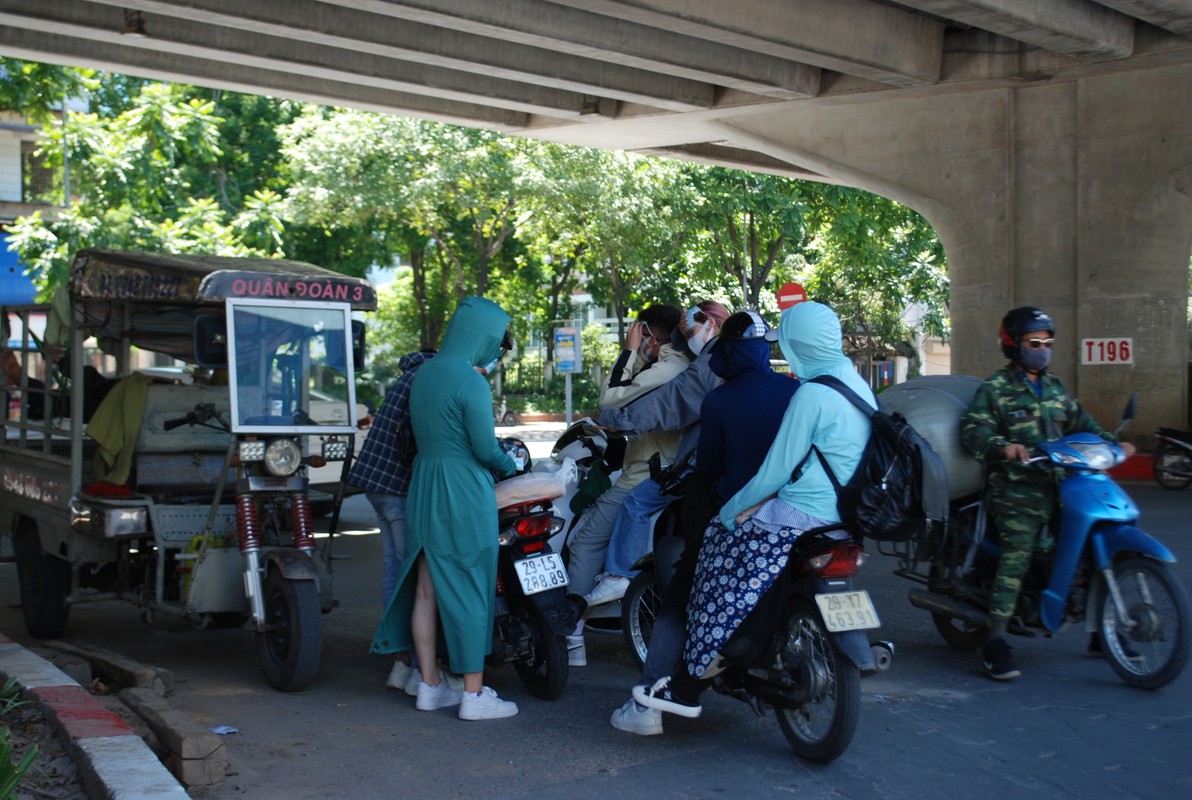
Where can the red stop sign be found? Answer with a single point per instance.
(790, 294)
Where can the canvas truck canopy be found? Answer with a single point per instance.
(153, 298)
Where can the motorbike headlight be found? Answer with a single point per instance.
(1099, 456)
(283, 457)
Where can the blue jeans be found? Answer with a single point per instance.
(632, 537)
(391, 518)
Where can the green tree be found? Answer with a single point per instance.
(40, 91)
(871, 259)
(134, 185)
(441, 200)
(748, 224)
(638, 233)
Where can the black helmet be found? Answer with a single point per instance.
(1019, 321)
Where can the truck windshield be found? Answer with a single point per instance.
(281, 352)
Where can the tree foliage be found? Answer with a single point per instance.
(146, 178)
(183, 169)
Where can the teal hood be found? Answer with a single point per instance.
(475, 331)
(810, 338)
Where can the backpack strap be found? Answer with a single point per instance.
(835, 383)
(843, 388)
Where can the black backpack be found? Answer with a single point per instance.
(900, 483)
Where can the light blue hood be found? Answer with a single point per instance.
(810, 339)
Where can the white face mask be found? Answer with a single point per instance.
(699, 336)
(490, 366)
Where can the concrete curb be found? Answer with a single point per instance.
(113, 761)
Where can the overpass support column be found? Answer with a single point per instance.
(1075, 196)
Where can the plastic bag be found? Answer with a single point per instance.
(546, 484)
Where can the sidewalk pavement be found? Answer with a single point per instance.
(113, 761)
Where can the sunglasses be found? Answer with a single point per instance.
(696, 317)
(1035, 344)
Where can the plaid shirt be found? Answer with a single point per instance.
(380, 468)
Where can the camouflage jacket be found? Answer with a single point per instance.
(1006, 410)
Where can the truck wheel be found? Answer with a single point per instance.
(290, 648)
(44, 582)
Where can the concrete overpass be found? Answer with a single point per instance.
(1048, 141)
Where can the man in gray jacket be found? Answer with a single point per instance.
(673, 406)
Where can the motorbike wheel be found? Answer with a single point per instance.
(821, 729)
(1153, 651)
(545, 674)
(639, 609)
(44, 583)
(1168, 457)
(289, 651)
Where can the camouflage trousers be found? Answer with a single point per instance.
(1018, 512)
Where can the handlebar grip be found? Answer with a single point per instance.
(170, 424)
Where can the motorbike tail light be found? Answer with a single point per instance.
(839, 562)
(536, 525)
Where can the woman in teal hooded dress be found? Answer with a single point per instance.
(451, 536)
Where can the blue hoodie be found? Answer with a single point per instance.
(810, 338)
(740, 418)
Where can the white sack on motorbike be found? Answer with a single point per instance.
(544, 485)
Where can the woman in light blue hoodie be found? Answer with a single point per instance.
(746, 548)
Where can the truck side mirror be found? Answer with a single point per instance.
(211, 341)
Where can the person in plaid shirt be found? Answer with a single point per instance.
(383, 471)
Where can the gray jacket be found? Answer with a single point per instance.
(672, 406)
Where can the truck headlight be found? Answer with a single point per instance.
(283, 457)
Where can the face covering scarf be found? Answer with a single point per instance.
(1035, 360)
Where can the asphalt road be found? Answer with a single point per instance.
(932, 727)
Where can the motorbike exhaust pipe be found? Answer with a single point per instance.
(938, 604)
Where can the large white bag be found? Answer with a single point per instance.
(544, 485)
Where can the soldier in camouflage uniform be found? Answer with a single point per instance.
(1014, 410)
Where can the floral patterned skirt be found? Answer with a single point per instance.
(735, 568)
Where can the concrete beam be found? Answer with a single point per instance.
(245, 47)
(1079, 28)
(22, 42)
(548, 26)
(479, 60)
(1171, 15)
(856, 37)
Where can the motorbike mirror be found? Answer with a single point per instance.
(1128, 413)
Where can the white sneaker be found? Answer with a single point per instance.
(412, 683)
(610, 588)
(577, 652)
(635, 718)
(400, 676)
(456, 682)
(485, 705)
(439, 696)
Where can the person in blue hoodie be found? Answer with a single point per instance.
(731, 448)
(757, 526)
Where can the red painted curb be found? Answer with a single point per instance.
(1139, 467)
(79, 714)
(5, 640)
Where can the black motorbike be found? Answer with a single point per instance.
(533, 612)
(800, 652)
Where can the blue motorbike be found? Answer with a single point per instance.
(1103, 571)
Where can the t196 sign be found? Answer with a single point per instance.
(1107, 351)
